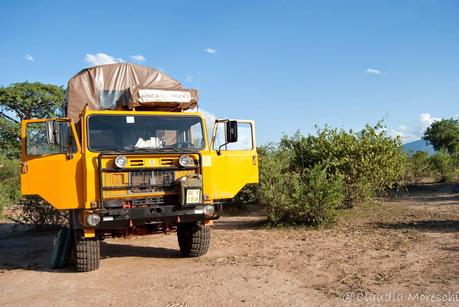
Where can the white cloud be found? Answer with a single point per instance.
(210, 50)
(408, 135)
(426, 120)
(101, 59)
(373, 71)
(138, 58)
(189, 78)
(29, 58)
(405, 135)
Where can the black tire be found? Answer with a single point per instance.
(87, 255)
(193, 239)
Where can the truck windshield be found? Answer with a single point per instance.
(140, 132)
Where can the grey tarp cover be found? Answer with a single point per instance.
(101, 87)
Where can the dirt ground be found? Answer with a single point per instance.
(402, 250)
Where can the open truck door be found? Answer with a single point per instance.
(234, 157)
(50, 158)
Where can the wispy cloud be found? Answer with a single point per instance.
(138, 58)
(373, 71)
(210, 50)
(29, 58)
(189, 78)
(101, 59)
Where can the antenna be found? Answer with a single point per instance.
(198, 81)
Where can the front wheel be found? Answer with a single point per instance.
(87, 255)
(193, 239)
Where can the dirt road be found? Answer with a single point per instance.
(398, 252)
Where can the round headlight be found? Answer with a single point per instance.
(93, 219)
(120, 161)
(186, 160)
(209, 210)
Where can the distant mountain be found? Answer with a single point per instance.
(419, 145)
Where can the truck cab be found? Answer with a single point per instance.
(133, 172)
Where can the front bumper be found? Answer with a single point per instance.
(163, 214)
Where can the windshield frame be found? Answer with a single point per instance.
(146, 150)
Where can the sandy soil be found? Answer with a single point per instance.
(402, 250)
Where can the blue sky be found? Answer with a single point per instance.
(286, 64)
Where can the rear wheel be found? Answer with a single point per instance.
(193, 239)
(87, 255)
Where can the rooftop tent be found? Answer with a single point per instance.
(125, 86)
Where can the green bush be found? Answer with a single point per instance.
(9, 182)
(369, 161)
(444, 166)
(37, 213)
(418, 167)
(292, 198)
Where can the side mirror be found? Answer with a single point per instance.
(231, 131)
(51, 133)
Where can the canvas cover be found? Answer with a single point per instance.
(113, 86)
(161, 99)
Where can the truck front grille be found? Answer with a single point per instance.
(151, 181)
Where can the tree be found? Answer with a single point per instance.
(443, 135)
(25, 100)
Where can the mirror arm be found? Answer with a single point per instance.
(219, 150)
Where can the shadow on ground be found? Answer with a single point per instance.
(440, 194)
(424, 226)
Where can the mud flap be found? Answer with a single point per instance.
(62, 248)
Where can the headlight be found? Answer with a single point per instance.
(120, 161)
(209, 210)
(185, 161)
(93, 219)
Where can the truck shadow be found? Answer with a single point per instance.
(114, 250)
(27, 250)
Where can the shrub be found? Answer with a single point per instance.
(9, 182)
(444, 166)
(309, 197)
(37, 213)
(369, 161)
(419, 167)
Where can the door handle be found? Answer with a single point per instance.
(24, 168)
(254, 159)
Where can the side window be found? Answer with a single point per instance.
(244, 139)
(37, 144)
(197, 137)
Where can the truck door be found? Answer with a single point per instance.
(234, 163)
(50, 162)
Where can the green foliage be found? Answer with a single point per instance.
(24, 101)
(306, 179)
(444, 135)
(9, 182)
(444, 165)
(419, 167)
(37, 213)
(308, 198)
(369, 161)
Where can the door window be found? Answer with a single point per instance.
(37, 144)
(244, 138)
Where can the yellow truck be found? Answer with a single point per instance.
(133, 156)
